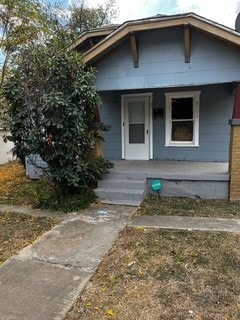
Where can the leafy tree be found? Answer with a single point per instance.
(21, 22)
(53, 101)
(83, 18)
(27, 21)
(51, 96)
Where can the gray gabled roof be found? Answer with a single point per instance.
(113, 35)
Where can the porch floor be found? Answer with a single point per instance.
(130, 180)
(175, 169)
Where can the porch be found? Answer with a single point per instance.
(169, 169)
(130, 180)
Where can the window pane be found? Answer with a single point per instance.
(136, 112)
(182, 131)
(136, 133)
(182, 108)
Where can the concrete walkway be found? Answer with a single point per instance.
(32, 212)
(187, 223)
(44, 279)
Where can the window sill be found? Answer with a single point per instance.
(181, 145)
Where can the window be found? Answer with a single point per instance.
(182, 118)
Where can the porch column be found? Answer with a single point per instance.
(234, 161)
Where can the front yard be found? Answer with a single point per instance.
(148, 274)
(167, 275)
(17, 189)
(152, 205)
(19, 230)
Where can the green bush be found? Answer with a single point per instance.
(67, 202)
(53, 104)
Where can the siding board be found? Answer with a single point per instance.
(162, 63)
(212, 69)
(216, 105)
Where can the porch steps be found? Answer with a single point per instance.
(130, 181)
(121, 188)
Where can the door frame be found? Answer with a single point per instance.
(135, 95)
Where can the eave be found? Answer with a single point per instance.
(189, 22)
(88, 35)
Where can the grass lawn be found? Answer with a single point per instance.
(167, 275)
(152, 205)
(19, 230)
(17, 189)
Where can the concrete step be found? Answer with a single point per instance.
(122, 184)
(120, 194)
(119, 187)
(122, 202)
(125, 175)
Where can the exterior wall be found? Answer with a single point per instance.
(5, 148)
(216, 105)
(162, 63)
(110, 113)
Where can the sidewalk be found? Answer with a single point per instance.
(187, 223)
(43, 280)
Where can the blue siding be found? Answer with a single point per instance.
(162, 63)
(216, 105)
(111, 116)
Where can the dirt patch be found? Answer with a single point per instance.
(167, 275)
(19, 230)
(152, 205)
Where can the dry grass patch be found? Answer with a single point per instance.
(16, 188)
(167, 275)
(152, 205)
(19, 230)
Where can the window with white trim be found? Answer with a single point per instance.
(182, 119)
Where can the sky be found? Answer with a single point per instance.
(221, 11)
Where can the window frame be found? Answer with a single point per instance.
(195, 95)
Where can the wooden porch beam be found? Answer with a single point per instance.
(187, 42)
(134, 50)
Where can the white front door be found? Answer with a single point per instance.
(136, 127)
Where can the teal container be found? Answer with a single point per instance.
(157, 185)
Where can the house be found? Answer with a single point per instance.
(170, 90)
(5, 147)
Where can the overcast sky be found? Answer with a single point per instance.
(221, 11)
